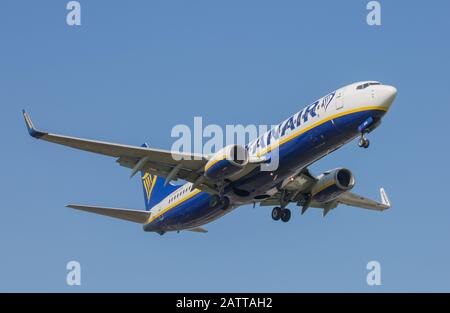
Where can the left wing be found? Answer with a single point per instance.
(159, 162)
(296, 189)
(352, 199)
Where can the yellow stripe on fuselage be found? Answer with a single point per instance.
(301, 131)
(190, 195)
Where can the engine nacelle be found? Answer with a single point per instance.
(226, 162)
(331, 184)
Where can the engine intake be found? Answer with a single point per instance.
(332, 184)
(227, 162)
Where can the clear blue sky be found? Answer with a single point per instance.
(134, 69)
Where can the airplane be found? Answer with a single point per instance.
(218, 183)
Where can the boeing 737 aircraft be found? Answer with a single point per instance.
(236, 175)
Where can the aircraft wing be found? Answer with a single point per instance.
(355, 200)
(293, 193)
(123, 214)
(159, 162)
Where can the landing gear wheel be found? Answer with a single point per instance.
(363, 143)
(218, 202)
(224, 203)
(276, 213)
(285, 215)
(214, 202)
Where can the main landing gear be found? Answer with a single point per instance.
(220, 200)
(281, 213)
(363, 141)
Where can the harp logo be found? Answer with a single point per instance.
(327, 100)
(149, 182)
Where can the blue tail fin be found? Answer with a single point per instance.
(154, 189)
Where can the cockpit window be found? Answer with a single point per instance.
(364, 86)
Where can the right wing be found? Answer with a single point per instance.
(123, 214)
(159, 162)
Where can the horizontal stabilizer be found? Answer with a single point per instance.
(123, 214)
(198, 230)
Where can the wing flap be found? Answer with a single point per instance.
(135, 216)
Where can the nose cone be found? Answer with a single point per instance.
(385, 95)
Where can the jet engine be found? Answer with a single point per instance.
(331, 184)
(227, 162)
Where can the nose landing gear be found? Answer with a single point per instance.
(363, 142)
(368, 125)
